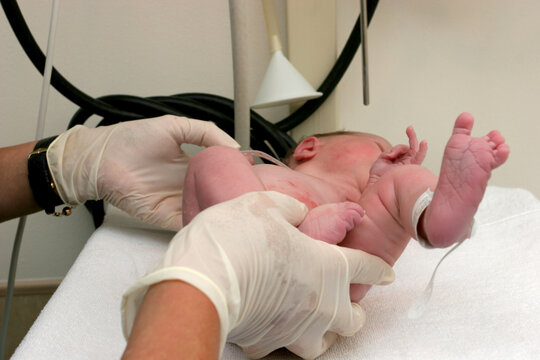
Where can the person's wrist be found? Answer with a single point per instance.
(41, 181)
(225, 304)
(73, 159)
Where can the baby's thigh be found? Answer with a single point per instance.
(214, 175)
(398, 184)
(220, 173)
(391, 200)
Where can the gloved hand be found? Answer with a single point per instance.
(137, 166)
(272, 285)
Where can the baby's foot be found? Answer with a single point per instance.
(331, 222)
(466, 168)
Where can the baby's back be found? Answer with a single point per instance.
(310, 190)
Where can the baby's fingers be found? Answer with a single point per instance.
(413, 141)
(421, 154)
(396, 152)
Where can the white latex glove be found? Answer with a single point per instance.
(137, 166)
(272, 285)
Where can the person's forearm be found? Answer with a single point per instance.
(16, 197)
(175, 321)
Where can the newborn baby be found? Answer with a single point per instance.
(360, 190)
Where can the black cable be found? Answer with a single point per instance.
(104, 109)
(34, 53)
(265, 136)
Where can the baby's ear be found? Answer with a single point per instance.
(307, 149)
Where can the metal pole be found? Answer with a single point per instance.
(238, 16)
(363, 39)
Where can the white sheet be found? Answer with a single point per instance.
(485, 303)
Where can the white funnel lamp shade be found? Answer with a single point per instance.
(283, 84)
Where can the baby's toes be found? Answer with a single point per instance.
(498, 147)
(494, 138)
(464, 124)
(501, 154)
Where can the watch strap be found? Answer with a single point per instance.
(40, 179)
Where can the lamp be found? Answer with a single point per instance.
(282, 83)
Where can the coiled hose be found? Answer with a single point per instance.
(265, 136)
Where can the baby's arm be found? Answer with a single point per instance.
(331, 222)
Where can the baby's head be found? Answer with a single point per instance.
(366, 146)
(338, 152)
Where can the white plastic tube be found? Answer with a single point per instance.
(45, 86)
(40, 129)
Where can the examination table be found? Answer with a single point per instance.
(485, 302)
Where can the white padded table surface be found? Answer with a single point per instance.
(485, 303)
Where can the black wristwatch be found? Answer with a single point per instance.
(41, 181)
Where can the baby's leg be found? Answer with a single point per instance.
(331, 222)
(214, 175)
(465, 170)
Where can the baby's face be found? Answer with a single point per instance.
(354, 153)
(353, 149)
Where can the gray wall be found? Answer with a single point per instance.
(430, 60)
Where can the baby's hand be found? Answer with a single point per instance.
(399, 155)
(331, 222)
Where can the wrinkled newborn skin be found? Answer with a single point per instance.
(349, 205)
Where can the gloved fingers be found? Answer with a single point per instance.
(367, 269)
(289, 209)
(173, 221)
(166, 213)
(350, 318)
(169, 221)
(310, 348)
(199, 132)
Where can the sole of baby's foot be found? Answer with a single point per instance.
(331, 222)
(466, 168)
